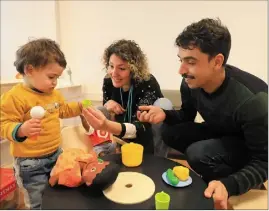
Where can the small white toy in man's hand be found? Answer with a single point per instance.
(37, 112)
(164, 103)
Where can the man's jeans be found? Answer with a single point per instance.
(32, 176)
(211, 155)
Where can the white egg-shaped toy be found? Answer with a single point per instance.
(164, 103)
(37, 112)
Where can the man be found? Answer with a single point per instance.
(230, 148)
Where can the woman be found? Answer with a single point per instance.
(127, 85)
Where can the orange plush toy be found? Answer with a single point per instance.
(75, 167)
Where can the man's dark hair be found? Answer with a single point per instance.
(39, 53)
(209, 35)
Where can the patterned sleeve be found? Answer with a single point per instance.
(150, 92)
(107, 90)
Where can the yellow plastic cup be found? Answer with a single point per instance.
(162, 201)
(132, 154)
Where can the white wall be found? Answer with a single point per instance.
(21, 20)
(87, 27)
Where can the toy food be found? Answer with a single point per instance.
(171, 177)
(86, 103)
(181, 172)
(37, 112)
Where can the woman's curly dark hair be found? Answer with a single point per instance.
(129, 50)
(209, 35)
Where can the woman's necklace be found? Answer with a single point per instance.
(129, 104)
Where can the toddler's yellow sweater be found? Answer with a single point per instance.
(15, 109)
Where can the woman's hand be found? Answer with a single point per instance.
(114, 107)
(98, 121)
(95, 118)
(84, 123)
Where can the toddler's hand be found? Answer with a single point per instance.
(30, 128)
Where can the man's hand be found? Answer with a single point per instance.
(95, 118)
(114, 107)
(31, 127)
(217, 190)
(151, 114)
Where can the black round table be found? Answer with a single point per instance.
(83, 197)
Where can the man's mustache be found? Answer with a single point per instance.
(187, 76)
